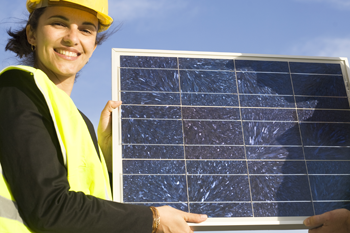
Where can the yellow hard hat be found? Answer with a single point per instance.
(99, 6)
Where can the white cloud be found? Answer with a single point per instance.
(135, 9)
(327, 47)
(341, 4)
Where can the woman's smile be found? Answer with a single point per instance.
(66, 54)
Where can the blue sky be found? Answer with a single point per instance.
(284, 27)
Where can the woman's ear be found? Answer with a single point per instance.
(31, 37)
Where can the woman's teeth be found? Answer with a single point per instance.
(67, 53)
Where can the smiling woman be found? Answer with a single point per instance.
(54, 171)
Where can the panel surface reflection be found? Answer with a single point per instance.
(235, 137)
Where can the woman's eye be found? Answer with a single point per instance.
(86, 31)
(58, 24)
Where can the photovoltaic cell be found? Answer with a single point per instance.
(235, 137)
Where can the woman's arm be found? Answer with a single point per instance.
(32, 164)
(171, 220)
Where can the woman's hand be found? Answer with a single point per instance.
(174, 221)
(336, 221)
(104, 131)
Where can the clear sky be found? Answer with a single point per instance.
(284, 27)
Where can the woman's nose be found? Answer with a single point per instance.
(71, 37)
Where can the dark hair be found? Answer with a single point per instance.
(18, 42)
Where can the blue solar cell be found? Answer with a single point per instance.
(151, 112)
(262, 66)
(267, 101)
(322, 102)
(148, 62)
(149, 80)
(264, 83)
(204, 188)
(277, 167)
(223, 209)
(216, 167)
(322, 207)
(327, 153)
(269, 114)
(315, 68)
(208, 81)
(153, 167)
(328, 167)
(206, 64)
(210, 113)
(152, 152)
(324, 115)
(213, 132)
(280, 188)
(330, 187)
(325, 134)
(152, 131)
(153, 98)
(214, 152)
(271, 133)
(283, 209)
(275, 152)
(154, 188)
(318, 85)
(209, 99)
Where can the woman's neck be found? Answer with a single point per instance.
(65, 83)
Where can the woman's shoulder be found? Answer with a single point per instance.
(16, 72)
(17, 76)
(19, 85)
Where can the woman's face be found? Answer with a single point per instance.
(65, 40)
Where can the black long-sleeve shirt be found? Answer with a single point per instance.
(32, 164)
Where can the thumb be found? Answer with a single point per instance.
(314, 221)
(110, 106)
(195, 218)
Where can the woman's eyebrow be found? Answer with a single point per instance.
(66, 19)
(59, 16)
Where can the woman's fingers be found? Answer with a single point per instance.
(195, 218)
(173, 220)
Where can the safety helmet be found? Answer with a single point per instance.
(99, 6)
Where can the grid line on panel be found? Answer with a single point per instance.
(228, 71)
(241, 174)
(329, 174)
(234, 202)
(301, 138)
(257, 160)
(229, 93)
(320, 201)
(244, 144)
(183, 136)
(228, 145)
(286, 108)
(269, 72)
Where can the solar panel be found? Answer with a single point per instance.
(249, 140)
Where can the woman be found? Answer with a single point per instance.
(54, 174)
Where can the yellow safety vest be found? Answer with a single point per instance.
(86, 173)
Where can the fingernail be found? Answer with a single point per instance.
(203, 216)
(307, 222)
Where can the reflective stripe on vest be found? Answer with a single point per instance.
(85, 171)
(9, 210)
(10, 220)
